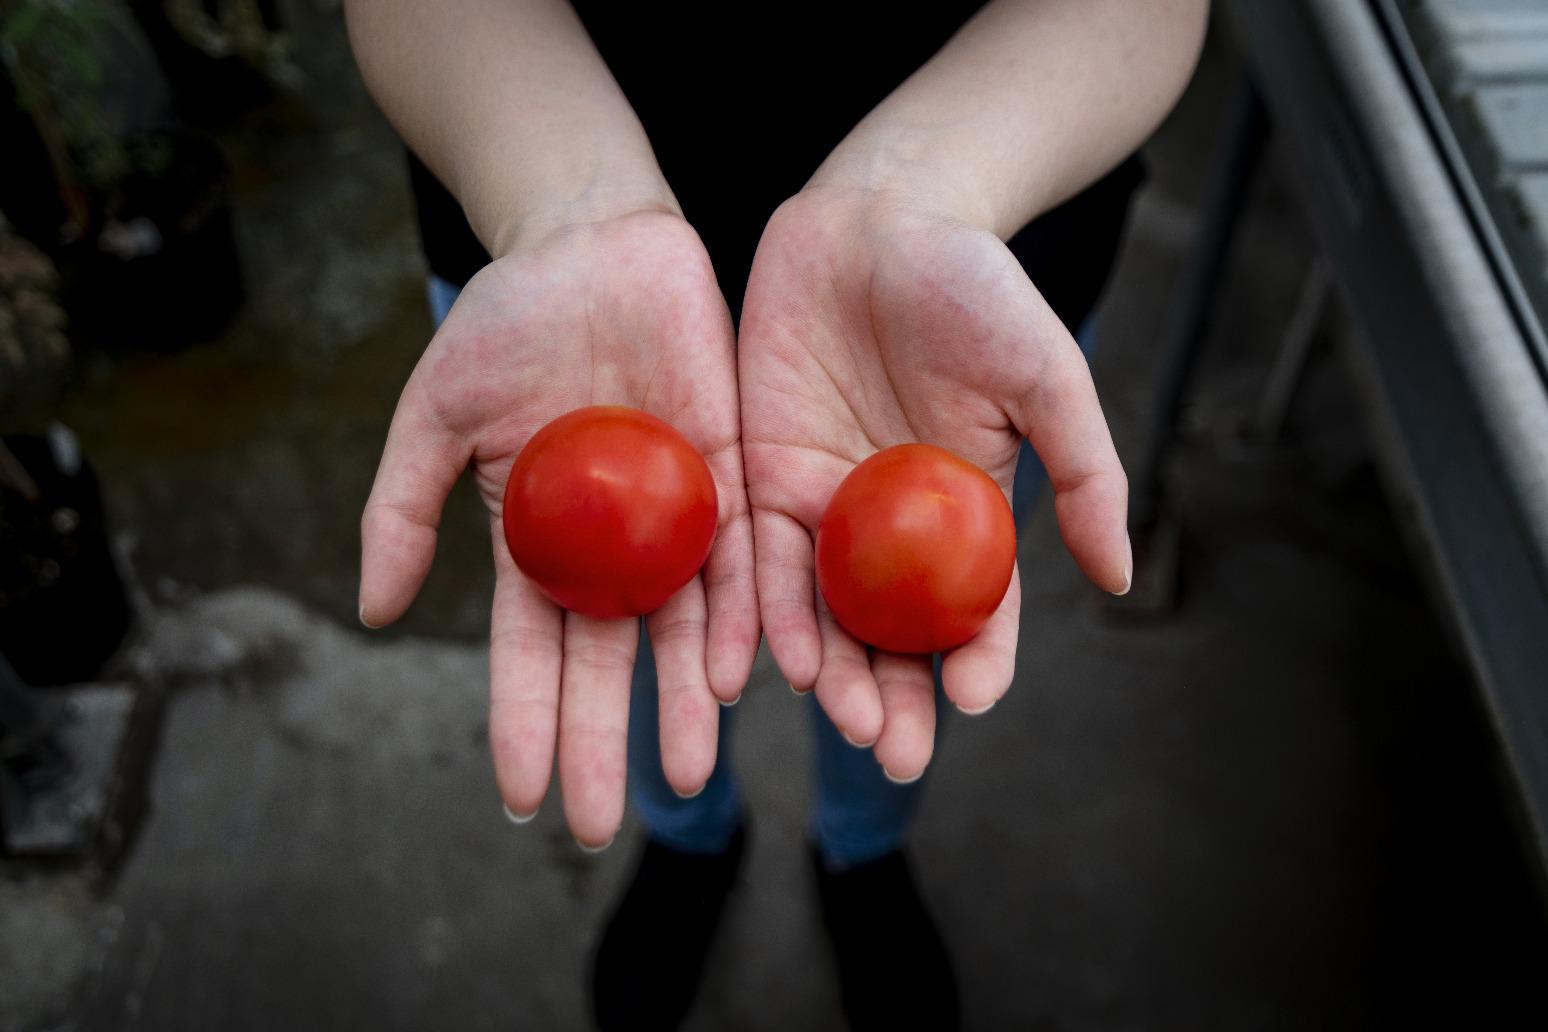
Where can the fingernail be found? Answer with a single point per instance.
(689, 795)
(594, 850)
(856, 744)
(728, 703)
(980, 711)
(518, 818)
(1128, 568)
(901, 781)
(364, 622)
(795, 689)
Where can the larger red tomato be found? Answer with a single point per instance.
(916, 549)
(609, 511)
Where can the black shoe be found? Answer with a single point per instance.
(893, 968)
(648, 964)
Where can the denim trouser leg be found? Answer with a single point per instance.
(442, 295)
(703, 824)
(860, 815)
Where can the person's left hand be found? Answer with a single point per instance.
(878, 317)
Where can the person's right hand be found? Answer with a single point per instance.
(622, 311)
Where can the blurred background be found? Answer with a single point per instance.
(1271, 794)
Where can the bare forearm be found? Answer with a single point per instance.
(512, 108)
(1031, 101)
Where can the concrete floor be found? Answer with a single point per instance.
(1274, 809)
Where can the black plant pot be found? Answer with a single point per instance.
(63, 608)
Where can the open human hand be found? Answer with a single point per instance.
(876, 318)
(624, 311)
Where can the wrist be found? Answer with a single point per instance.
(905, 169)
(522, 219)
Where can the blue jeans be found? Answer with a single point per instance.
(859, 815)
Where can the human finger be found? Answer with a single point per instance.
(906, 686)
(526, 643)
(787, 589)
(594, 723)
(846, 689)
(690, 714)
(1063, 419)
(420, 463)
(731, 596)
(978, 673)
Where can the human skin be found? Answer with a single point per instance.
(600, 294)
(882, 308)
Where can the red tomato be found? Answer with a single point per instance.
(609, 511)
(915, 550)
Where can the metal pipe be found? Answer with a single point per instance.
(1247, 128)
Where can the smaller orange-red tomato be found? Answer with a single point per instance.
(609, 511)
(916, 549)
